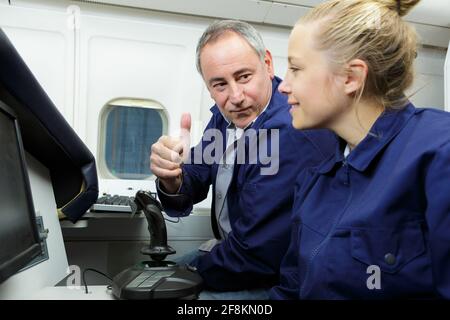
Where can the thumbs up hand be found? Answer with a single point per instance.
(168, 154)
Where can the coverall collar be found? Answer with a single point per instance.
(385, 128)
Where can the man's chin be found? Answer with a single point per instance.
(241, 123)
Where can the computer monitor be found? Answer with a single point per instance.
(19, 238)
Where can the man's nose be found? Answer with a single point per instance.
(236, 94)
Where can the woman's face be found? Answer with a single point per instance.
(314, 91)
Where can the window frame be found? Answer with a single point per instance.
(103, 170)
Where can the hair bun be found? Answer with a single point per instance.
(401, 6)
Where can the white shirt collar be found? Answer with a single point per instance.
(347, 151)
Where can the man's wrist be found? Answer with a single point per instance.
(170, 186)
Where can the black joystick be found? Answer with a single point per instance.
(158, 248)
(155, 279)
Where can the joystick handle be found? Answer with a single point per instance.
(158, 248)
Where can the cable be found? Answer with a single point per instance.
(90, 269)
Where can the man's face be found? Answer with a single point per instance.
(238, 81)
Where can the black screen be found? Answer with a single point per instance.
(19, 242)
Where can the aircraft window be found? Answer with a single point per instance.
(129, 130)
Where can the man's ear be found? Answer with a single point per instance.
(268, 61)
(356, 74)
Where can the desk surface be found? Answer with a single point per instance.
(73, 293)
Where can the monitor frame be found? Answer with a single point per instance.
(22, 259)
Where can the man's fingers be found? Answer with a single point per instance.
(159, 162)
(168, 142)
(179, 147)
(164, 173)
(161, 150)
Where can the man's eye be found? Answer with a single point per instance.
(245, 77)
(219, 85)
(294, 69)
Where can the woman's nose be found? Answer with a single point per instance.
(284, 87)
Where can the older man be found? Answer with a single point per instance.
(252, 190)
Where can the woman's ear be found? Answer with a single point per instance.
(356, 74)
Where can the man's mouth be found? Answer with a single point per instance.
(243, 110)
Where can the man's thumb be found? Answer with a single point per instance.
(185, 135)
(185, 123)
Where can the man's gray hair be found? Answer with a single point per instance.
(218, 28)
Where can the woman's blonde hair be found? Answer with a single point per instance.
(373, 31)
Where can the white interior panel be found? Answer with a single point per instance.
(309, 3)
(434, 12)
(285, 14)
(127, 68)
(46, 45)
(428, 87)
(250, 10)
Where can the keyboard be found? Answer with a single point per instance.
(113, 203)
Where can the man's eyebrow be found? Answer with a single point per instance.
(235, 74)
(217, 79)
(241, 71)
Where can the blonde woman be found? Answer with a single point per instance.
(373, 221)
